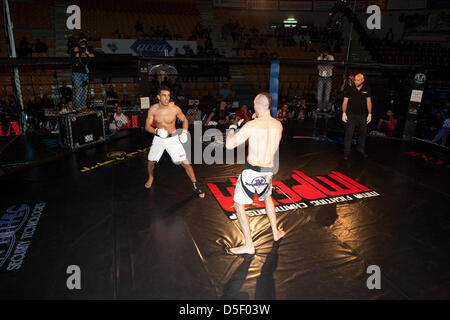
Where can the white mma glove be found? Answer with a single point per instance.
(162, 133)
(236, 125)
(344, 117)
(369, 118)
(183, 137)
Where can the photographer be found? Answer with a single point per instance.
(80, 71)
(324, 79)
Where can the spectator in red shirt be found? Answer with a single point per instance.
(283, 114)
(387, 124)
(244, 113)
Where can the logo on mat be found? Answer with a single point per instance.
(18, 224)
(299, 192)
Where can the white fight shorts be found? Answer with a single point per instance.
(253, 179)
(173, 146)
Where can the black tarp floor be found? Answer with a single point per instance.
(134, 243)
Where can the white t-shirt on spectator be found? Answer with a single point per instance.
(326, 70)
(120, 120)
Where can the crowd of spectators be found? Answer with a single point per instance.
(26, 48)
(301, 36)
(434, 125)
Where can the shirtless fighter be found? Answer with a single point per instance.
(264, 135)
(165, 114)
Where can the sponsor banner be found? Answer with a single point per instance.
(296, 5)
(406, 4)
(154, 48)
(145, 103)
(416, 96)
(114, 158)
(18, 224)
(9, 128)
(262, 5)
(299, 192)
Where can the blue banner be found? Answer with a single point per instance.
(274, 74)
(154, 48)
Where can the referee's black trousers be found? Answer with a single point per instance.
(353, 122)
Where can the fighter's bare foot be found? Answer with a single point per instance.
(279, 235)
(243, 250)
(149, 182)
(198, 192)
(201, 195)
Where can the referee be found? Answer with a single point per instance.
(356, 100)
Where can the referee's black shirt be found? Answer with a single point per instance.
(357, 99)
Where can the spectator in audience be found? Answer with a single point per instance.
(119, 121)
(62, 103)
(299, 110)
(283, 114)
(24, 48)
(435, 124)
(138, 27)
(225, 91)
(387, 124)
(3, 109)
(11, 109)
(165, 33)
(67, 108)
(111, 93)
(40, 46)
(117, 34)
(244, 113)
(263, 53)
(35, 111)
(347, 82)
(46, 103)
(178, 53)
(220, 115)
(442, 134)
(389, 35)
(194, 114)
(65, 91)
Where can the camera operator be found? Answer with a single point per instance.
(324, 79)
(80, 71)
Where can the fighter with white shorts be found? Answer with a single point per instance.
(263, 135)
(164, 114)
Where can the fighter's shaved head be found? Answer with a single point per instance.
(264, 99)
(360, 76)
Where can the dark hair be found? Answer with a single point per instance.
(163, 88)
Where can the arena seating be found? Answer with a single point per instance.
(102, 18)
